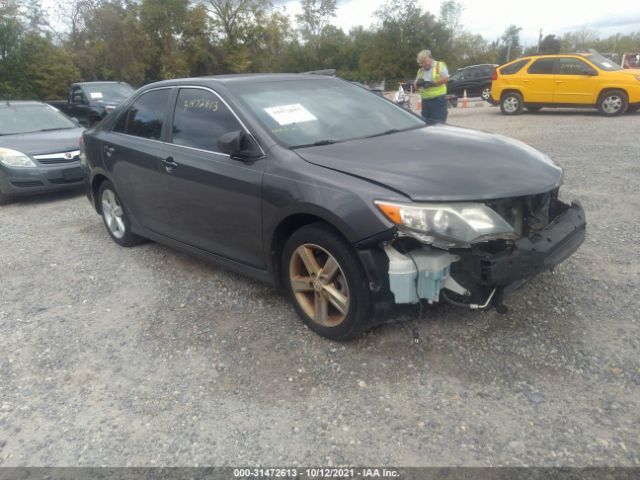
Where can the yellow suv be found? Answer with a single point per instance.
(566, 80)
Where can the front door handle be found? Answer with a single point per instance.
(109, 150)
(169, 164)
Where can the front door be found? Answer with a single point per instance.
(576, 82)
(213, 201)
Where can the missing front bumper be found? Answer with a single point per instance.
(479, 276)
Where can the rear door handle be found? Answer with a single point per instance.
(169, 164)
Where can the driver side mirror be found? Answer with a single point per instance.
(239, 146)
(591, 73)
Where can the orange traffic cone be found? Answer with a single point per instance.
(465, 102)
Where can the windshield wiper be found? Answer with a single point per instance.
(54, 128)
(386, 132)
(316, 144)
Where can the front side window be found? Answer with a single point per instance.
(145, 116)
(543, 66)
(77, 96)
(573, 66)
(309, 112)
(200, 119)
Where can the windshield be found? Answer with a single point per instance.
(306, 112)
(603, 62)
(16, 119)
(108, 92)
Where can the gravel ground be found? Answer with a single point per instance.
(145, 356)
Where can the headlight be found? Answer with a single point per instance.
(448, 224)
(13, 158)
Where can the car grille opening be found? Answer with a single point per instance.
(29, 183)
(53, 161)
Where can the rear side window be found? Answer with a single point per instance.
(200, 119)
(573, 66)
(542, 66)
(513, 68)
(145, 116)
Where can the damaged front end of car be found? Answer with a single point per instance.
(472, 254)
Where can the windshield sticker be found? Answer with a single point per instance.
(96, 95)
(288, 114)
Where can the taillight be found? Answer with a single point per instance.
(495, 75)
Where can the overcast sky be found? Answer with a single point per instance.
(491, 17)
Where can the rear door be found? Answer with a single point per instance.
(538, 84)
(213, 201)
(133, 152)
(576, 82)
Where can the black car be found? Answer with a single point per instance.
(343, 199)
(475, 79)
(39, 150)
(90, 102)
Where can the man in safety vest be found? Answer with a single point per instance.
(431, 81)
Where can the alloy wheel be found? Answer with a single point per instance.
(112, 213)
(319, 285)
(612, 104)
(511, 104)
(486, 94)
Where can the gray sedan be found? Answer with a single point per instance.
(39, 150)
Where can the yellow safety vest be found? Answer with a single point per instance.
(438, 90)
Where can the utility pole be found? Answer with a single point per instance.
(539, 40)
(509, 50)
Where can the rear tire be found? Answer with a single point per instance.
(115, 217)
(613, 103)
(511, 103)
(486, 94)
(326, 283)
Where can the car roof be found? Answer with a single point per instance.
(240, 78)
(480, 65)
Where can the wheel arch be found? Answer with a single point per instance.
(289, 224)
(96, 182)
(610, 89)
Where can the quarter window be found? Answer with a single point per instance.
(542, 66)
(200, 119)
(145, 116)
(573, 66)
(514, 67)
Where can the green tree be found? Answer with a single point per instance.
(550, 44)
(510, 42)
(314, 20)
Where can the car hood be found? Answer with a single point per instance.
(38, 143)
(442, 162)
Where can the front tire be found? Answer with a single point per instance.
(326, 283)
(511, 103)
(115, 217)
(613, 103)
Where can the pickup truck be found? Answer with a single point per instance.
(90, 102)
